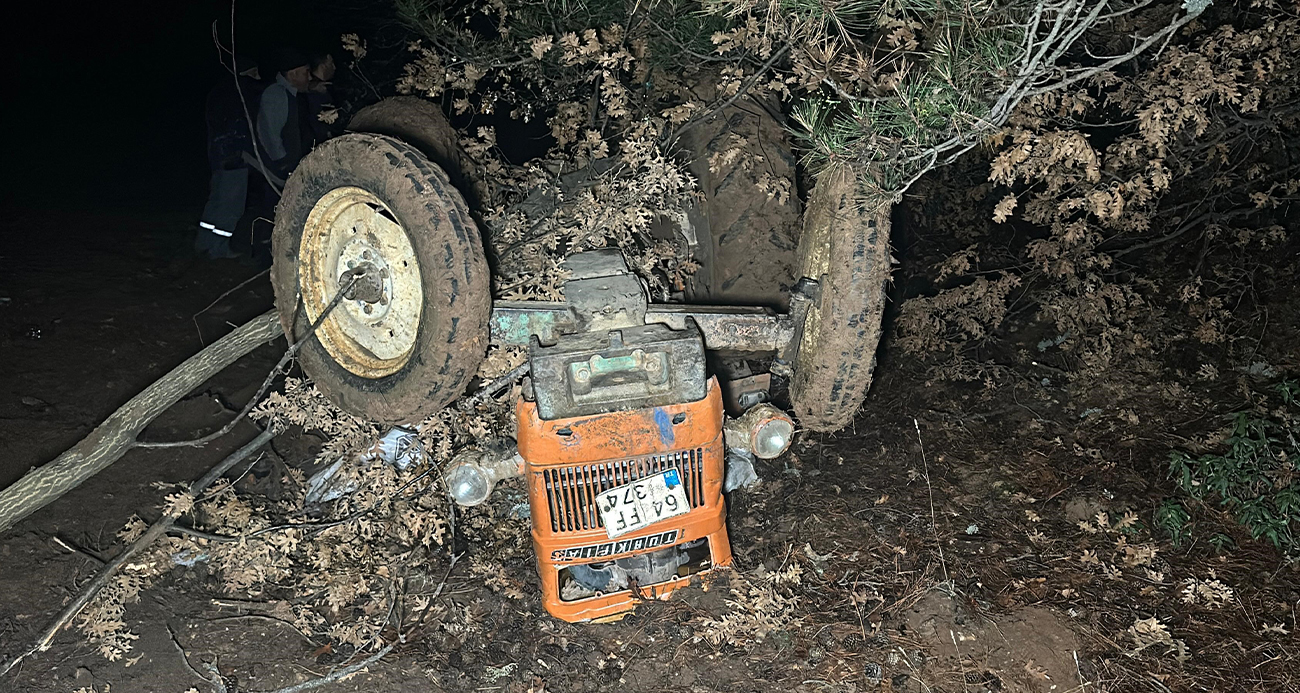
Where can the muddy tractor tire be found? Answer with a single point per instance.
(373, 213)
(753, 247)
(422, 124)
(845, 247)
(747, 223)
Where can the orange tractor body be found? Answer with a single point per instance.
(570, 461)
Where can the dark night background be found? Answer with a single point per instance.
(104, 107)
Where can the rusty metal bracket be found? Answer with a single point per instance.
(603, 295)
(805, 293)
(725, 328)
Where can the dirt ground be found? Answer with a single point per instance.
(956, 538)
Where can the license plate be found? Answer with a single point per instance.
(643, 502)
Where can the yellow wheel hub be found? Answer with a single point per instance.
(350, 233)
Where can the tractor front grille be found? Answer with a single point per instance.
(571, 491)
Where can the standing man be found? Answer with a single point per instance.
(283, 128)
(284, 136)
(229, 140)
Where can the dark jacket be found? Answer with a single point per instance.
(283, 130)
(228, 130)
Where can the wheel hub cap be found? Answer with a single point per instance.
(351, 237)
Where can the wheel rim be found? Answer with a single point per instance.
(815, 248)
(351, 233)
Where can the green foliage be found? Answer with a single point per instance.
(919, 82)
(1172, 518)
(896, 87)
(1253, 478)
(1222, 542)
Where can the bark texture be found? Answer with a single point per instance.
(111, 439)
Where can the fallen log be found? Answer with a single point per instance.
(113, 438)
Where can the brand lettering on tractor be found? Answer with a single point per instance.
(614, 548)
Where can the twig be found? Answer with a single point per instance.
(741, 91)
(218, 685)
(835, 86)
(78, 549)
(1137, 50)
(252, 127)
(934, 528)
(494, 385)
(437, 592)
(960, 665)
(200, 534)
(1079, 670)
(157, 529)
(335, 676)
(237, 287)
(686, 49)
(270, 377)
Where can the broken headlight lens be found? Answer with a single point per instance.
(468, 484)
(474, 472)
(772, 437)
(764, 431)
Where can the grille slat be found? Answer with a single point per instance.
(571, 509)
(592, 490)
(571, 491)
(551, 503)
(697, 467)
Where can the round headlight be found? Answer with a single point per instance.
(468, 484)
(772, 437)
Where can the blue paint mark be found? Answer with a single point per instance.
(665, 427)
(671, 480)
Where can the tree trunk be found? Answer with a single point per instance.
(111, 439)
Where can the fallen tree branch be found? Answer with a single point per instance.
(119, 432)
(337, 675)
(157, 529)
(113, 438)
(288, 356)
